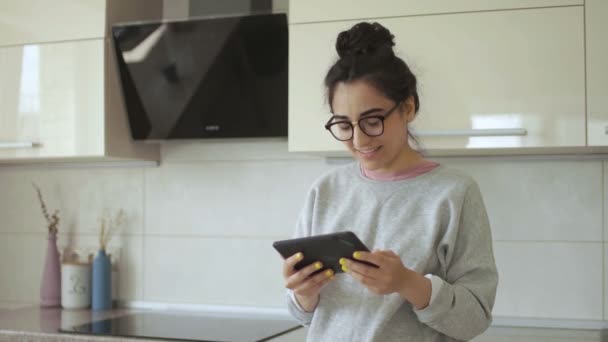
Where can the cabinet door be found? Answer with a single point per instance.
(37, 21)
(597, 72)
(51, 100)
(516, 74)
(303, 11)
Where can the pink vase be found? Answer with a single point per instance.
(50, 288)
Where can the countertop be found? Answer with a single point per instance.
(43, 324)
(36, 324)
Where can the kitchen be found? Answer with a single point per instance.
(201, 215)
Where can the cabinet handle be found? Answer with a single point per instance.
(491, 132)
(19, 144)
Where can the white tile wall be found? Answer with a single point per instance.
(605, 199)
(202, 224)
(21, 260)
(228, 198)
(13, 305)
(80, 194)
(549, 279)
(605, 284)
(213, 271)
(540, 200)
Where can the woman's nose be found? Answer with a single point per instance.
(360, 139)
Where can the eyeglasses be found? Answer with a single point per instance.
(372, 125)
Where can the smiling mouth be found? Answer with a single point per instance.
(368, 151)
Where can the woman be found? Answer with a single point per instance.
(437, 277)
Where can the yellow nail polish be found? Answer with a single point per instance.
(344, 269)
(299, 256)
(357, 255)
(342, 261)
(329, 273)
(318, 265)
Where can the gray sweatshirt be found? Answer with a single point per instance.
(437, 223)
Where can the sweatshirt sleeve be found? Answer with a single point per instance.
(462, 308)
(303, 228)
(296, 311)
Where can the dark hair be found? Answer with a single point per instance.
(366, 53)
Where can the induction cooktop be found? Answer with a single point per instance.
(188, 327)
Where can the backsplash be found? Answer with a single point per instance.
(201, 225)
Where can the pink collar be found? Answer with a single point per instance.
(411, 172)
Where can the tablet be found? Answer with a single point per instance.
(327, 248)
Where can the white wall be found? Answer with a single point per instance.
(201, 225)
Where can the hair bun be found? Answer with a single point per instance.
(365, 38)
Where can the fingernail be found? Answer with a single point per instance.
(344, 269)
(357, 255)
(329, 273)
(318, 265)
(342, 261)
(299, 256)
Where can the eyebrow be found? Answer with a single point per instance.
(367, 112)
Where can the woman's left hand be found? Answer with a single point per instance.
(390, 276)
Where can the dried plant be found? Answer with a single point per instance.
(109, 225)
(51, 220)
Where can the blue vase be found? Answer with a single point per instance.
(102, 282)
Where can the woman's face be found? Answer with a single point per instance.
(357, 99)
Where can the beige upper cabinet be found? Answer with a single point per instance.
(490, 79)
(39, 21)
(307, 11)
(60, 97)
(597, 71)
(52, 100)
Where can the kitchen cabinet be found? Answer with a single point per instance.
(493, 79)
(596, 14)
(321, 10)
(52, 99)
(38, 21)
(60, 98)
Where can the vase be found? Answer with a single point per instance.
(50, 287)
(102, 282)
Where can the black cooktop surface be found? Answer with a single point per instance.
(188, 327)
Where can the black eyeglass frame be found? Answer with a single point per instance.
(352, 127)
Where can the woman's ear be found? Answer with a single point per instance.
(409, 109)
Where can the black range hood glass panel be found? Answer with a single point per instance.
(188, 328)
(205, 78)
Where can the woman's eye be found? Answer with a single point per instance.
(343, 125)
(372, 121)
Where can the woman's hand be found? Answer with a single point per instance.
(306, 287)
(391, 276)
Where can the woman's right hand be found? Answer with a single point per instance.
(305, 287)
